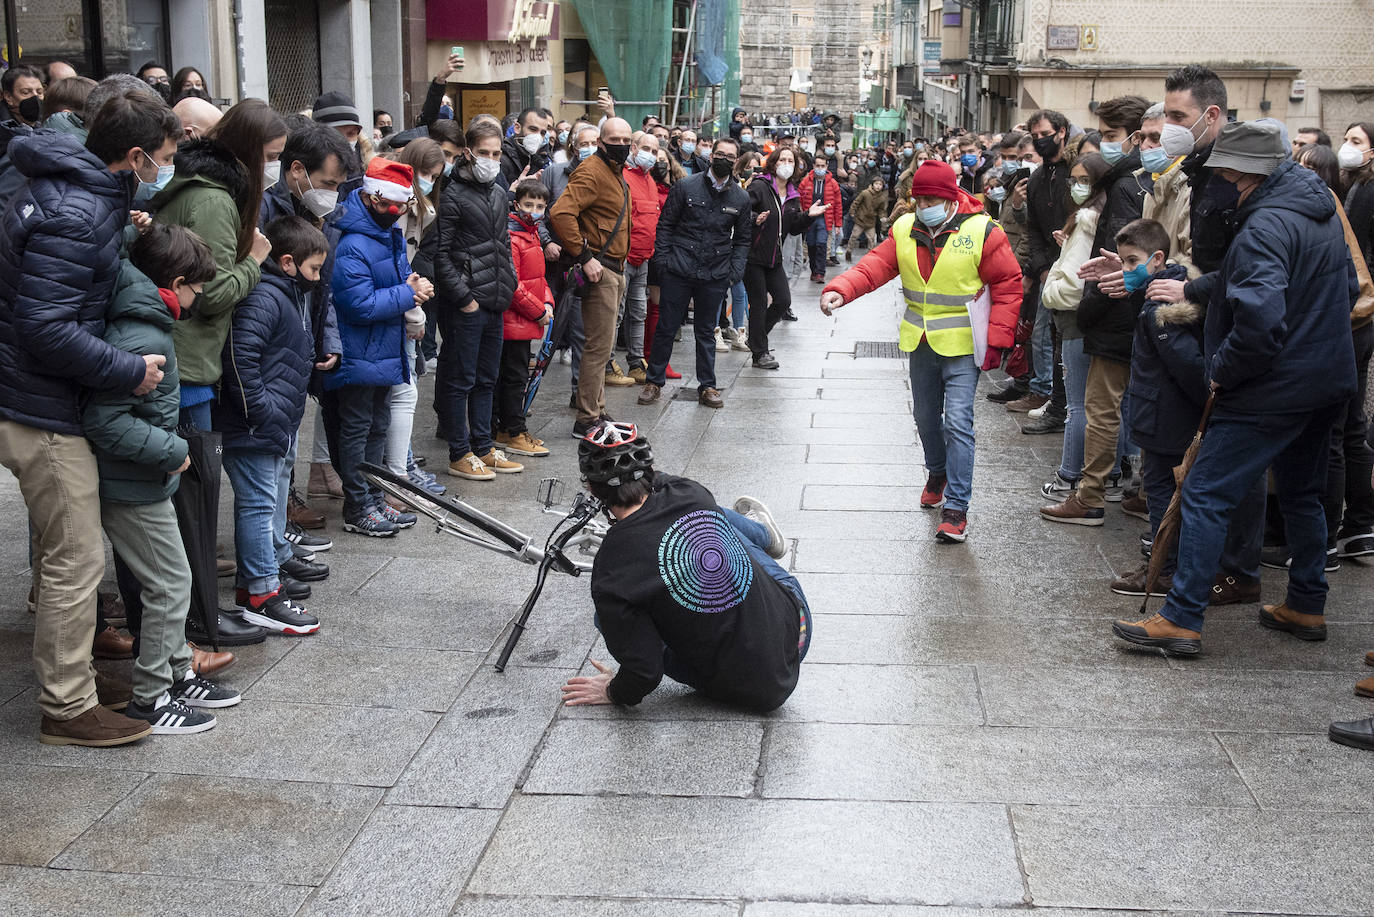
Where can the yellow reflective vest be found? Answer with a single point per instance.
(938, 308)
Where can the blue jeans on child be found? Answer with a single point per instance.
(257, 481)
(942, 390)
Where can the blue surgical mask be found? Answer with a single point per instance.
(872, 163)
(1137, 277)
(584, 152)
(969, 160)
(688, 148)
(998, 194)
(819, 169)
(448, 168)
(1112, 152)
(147, 190)
(746, 138)
(562, 138)
(645, 160)
(1010, 166)
(932, 216)
(1155, 160)
(426, 185)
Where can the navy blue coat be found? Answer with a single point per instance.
(1278, 318)
(267, 361)
(1168, 378)
(59, 259)
(324, 325)
(370, 298)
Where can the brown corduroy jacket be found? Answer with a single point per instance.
(586, 211)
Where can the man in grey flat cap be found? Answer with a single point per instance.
(1281, 364)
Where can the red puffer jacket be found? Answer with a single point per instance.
(644, 210)
(998, 269)
(532, 291)
(834, 217)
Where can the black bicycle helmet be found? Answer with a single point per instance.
(614, 454)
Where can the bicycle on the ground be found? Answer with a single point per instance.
(580, 528)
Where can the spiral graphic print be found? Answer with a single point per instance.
(704, 564)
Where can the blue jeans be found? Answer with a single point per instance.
(675, 291)
(1076, 364)
(942, 390)
(739, 308)
(256, 478)
(197, 417)
(280, 545)
(1244, 535)
(1234, 455)
(1042, 353)
(469, 363)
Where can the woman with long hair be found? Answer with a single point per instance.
(776, 203)
(189, 78)
(1356, 158)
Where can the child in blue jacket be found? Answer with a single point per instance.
(373, 289)
(268, 357)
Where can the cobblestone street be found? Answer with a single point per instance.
(966, 736)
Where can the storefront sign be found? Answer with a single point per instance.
(483, 102)
(527, 21)
(495, 61)
(930, 56)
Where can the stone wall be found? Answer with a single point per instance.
(767, 38)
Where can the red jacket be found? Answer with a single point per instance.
(834, 217)
(532, 291)
(998, 269)
(643, 216)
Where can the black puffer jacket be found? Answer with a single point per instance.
(1112, 321)
(59, 259)
(1047, 208)
(785, 218)
(704, 234)
(473, 258)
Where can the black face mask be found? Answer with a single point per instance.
(164, 90)
(659, 171)
(192, 309)
(720, 168)
(385, 130)
(617, 152)
(385, 220)
(1047, 147)
(31, 109)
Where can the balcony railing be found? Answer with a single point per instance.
(992, 36)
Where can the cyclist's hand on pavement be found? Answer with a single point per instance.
(582, 690)
(830, 302)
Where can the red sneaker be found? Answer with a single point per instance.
(934, 493)
(671, 373)
(953, 527)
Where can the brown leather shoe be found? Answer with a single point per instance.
(1133, 583)
(1073, 512)
(324, 482)
(1027, 403)
(112, 692)
(301, 513)
(1227, 590)
(649, 394)
(208, 662)
(1369, 658)
(225, 566)
(1302, 626)
(1365, 688)
(98, 727)
(111, 644)
(710, 398)
(1159, 632)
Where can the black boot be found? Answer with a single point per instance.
(233, 631)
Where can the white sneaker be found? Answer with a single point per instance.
(565, 357)
(1037, 413)
(1058, 489)
(754, 509)
(741, 341)
(721, 346)
(730, 334)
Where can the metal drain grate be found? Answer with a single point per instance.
(877, 350)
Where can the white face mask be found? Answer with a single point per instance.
(1351, 156)
(1178, 140)
(486, 170)
(271, 172)
(533, 143)
(320, 203)
(785, 170)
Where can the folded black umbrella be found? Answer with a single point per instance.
(197, 506)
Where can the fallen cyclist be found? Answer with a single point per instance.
(686, 588)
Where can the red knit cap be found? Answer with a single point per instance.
(935, 179)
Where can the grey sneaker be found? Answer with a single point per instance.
(1058, 489)
(1045, 423)
(754, 509)
(1114, 492)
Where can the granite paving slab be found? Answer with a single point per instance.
(46, 808)
(49, 892)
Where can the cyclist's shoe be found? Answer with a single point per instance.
(754, 509)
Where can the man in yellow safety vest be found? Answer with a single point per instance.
(948, 253)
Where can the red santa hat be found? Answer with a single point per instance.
(391, 181)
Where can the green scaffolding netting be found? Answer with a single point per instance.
(632, 39)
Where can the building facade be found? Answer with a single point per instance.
(811, 53)
(1303, 63)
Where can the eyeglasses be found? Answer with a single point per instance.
(725, 157)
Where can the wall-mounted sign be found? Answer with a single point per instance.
(492, 20)
(532, 19)
(1061, 38)
(930, 56)
(1087, 38)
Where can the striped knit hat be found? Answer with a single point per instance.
(335, 109)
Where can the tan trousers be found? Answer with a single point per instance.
(600, 305)
(1107, 380)
(60, 483)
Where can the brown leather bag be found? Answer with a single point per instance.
(1362, 313)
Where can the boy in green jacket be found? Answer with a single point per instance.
(140, 458)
